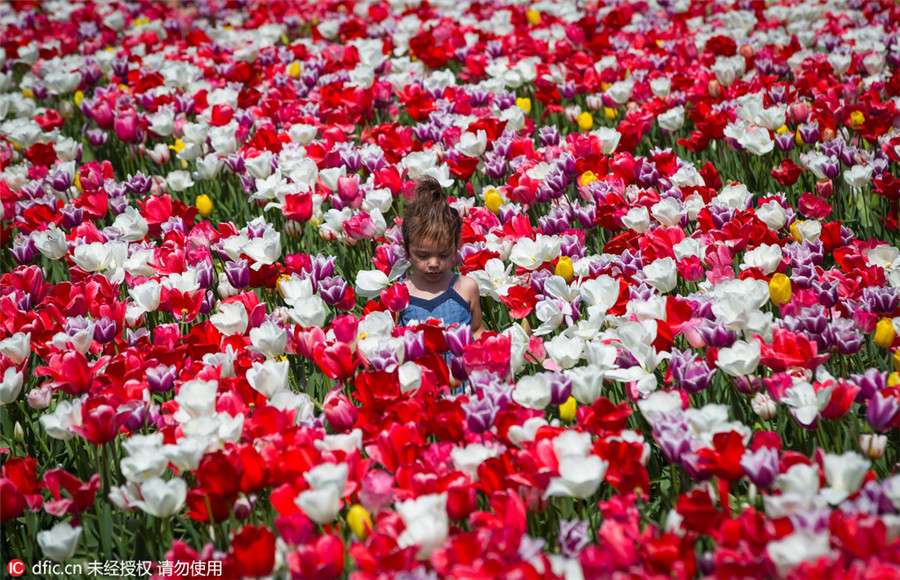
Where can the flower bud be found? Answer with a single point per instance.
(884, 333)
(824, 188)
(567, 409)
(585, 121)
(340, 413)
(780, 289)
(564, 268)
(243, 507)
(872, 445)
(40, 398)
(492, 200)
(764, 405)
(204, 205)
(18, 432)
(524, 103)
(360, 521)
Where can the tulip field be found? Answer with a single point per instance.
(682, 217)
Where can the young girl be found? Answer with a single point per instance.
(431, 231)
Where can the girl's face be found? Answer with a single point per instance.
(431, 260)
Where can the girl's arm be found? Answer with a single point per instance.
(469, 291)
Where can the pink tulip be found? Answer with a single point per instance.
(126, 126)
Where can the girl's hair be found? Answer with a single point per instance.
(430, 217)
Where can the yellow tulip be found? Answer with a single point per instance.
(79, 96)
(795, 230)
(492, 200)
(564, 268)
(585, 121)
(533, 17)
(178, 146)
(798, 139)
(294, 70)
(360, 521)
(893, 379)
(780, 289)
(896, 359)
(204, 205)
(884, 333)
(587, 177)
(609, 112)
(856, 119)
(781, 130)
(524, 103)
(567, 409)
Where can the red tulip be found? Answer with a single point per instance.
(699, 513)
(222, 114)
(787, 173)
(100, 421)
(20, 486)
(348, 190)
(813, 206)
(253, 548)
(207, 507)
(81, 494)
(337, 361)
(520, 300)
(71, 371)
(298, 206)
(396, 297)
(12, 503)
(185, 306)
(490, 353)
(218, 475)
(340, 413)
(322, 559)
(842, 398)
(790, 350)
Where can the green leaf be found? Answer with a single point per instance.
(106, 526)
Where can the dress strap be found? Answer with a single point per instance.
(453, 280)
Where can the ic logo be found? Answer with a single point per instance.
(15, 567)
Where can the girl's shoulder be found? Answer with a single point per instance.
(467, 287)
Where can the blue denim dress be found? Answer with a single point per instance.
(449, 307)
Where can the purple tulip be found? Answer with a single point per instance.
(784, 141)
(560, 388)
(870, 383)
(238, 273)
(161, 378)
(384, 360)
(72, 216)
(548, 136)
(881, 411)
(573, 537)
(414, 345)
(761, 466)
(23, 250)
(716, 334)
(332, 290)
(480, 414)
(104, 330)
(458, 338)
(139, 184)
(843, 335)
